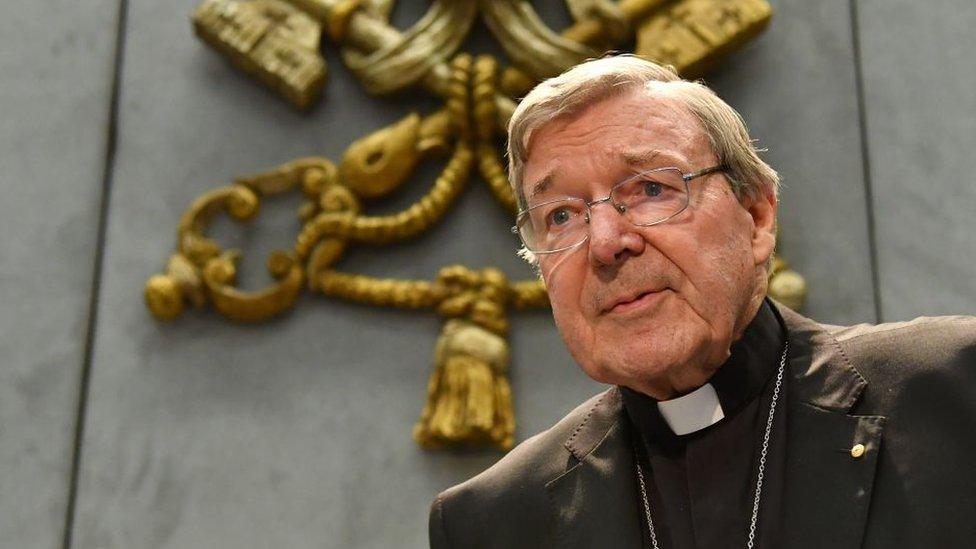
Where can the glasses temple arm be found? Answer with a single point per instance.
(706, 171)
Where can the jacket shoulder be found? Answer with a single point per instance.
(927, 359)
(922, 341)
(507, 505)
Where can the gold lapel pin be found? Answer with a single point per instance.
(857, 451)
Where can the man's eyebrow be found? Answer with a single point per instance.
(541, 186)
(640, 158)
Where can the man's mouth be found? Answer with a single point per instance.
(634, 302)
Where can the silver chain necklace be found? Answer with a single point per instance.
(759, 477)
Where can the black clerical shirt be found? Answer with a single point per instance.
(701, 485)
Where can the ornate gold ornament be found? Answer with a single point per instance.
(277, 42)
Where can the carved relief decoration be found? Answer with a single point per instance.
(278, 41)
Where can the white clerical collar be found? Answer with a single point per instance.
(692, 412)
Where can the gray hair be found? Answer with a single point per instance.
(595, 80)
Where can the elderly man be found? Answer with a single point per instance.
(732, 421)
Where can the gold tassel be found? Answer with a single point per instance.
(468, 397)
(503, 432)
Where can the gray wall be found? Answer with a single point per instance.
(120, 432)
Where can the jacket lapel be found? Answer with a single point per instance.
(827, 489)
(594, 500)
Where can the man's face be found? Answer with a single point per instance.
(652, 308)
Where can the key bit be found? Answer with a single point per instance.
(269, 39)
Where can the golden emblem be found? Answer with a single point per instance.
(277, 42)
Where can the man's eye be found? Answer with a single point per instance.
(560, 216)
(653, 188)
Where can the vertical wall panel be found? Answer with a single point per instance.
(919, 82)
(795, 87)
(56, 64)
(290, 433)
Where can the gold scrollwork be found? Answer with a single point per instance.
(277, 41)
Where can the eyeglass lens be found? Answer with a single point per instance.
(644, 199)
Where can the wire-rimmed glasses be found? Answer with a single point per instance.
(644, 199)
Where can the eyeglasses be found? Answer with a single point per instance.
(645, 199)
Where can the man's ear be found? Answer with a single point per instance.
(762, 209)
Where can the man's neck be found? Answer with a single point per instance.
(690, 377)
(752, 359)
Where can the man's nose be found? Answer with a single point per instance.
(612, 236)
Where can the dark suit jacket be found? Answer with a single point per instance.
(906, 391)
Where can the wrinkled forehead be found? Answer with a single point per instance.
(656, 109)
(640, 129)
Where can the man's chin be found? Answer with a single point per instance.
(637, 374)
